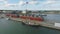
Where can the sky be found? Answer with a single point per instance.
(30, 4)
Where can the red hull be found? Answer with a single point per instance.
(25, 17)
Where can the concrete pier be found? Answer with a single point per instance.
(51, 24)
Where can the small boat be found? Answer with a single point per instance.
(31, 24)
(2, 17)
(42, 14)
(7, 18)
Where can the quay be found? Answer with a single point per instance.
(46, 23)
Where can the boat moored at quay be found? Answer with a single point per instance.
(32, 19)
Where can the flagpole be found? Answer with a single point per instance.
(26, 7)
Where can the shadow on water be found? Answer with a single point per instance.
(14, 27)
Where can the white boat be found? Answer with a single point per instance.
(7, 18)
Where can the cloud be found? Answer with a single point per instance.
(33, 2)
(16, 5)
(3, 3)
(46, 5)
(50, 5)
(8, 5)
(48, 2)
(21, 3)
(42, 5)
(25, 2)
(2, 0)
